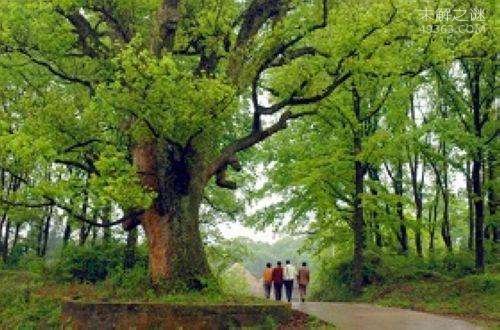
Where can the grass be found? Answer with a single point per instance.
(29, 301)
(474, 297)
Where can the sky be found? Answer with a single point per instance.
(233, 229)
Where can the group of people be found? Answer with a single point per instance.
(284, 276)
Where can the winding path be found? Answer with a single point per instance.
(370, 317)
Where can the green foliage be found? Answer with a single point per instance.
(128, 283)
(91, 263)
(474, 296)
(20, 307)
(334, 277)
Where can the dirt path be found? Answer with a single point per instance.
(369, 317)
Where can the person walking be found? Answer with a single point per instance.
(288, 276)
(303, 280)
(267, 278)
(278, 280)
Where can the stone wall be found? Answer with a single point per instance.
(78, 315)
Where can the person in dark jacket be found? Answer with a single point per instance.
(278, 280)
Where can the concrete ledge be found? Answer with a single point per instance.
(78, 315)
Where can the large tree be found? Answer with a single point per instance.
(140, 104)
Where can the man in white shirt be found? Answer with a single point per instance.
(289, 274)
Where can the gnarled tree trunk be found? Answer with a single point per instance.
(176, 254)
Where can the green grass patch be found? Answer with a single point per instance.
(475, 297)
(31, 301)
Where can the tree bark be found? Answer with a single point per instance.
(358, 221)
(398, 189)
(46, 231)
(470, 203)
(417, 187)
(5, 250)
(67, 231)
(2, 221)
(492, 197)
(16, 235)
(477, 187)
(373, 172)
(176, 254)
(446, 226)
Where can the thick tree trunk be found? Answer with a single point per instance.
(176, 253)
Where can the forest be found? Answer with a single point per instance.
(364, 133)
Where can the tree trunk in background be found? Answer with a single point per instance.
(478, 211)
(445, 225)
(492, 197)
(2, 221)
(16, 235)
(373, 172)
(5, 249)
(417, 186)
(67, 232)
(84, 228)
(106, 231)
(130, 249)
(46, 231)
(358, 224)
(39, 238)
(431, 230)
(4, 187)
(171, 225)
(470, 203)
(433, 220)
(418, 199)
(477, 187)
(398, 189)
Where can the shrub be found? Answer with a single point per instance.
(334, 278)
(16, 254)
(87, 263)
(129, 283)
(458, 265)
(92, 263)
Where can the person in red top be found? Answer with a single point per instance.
(278, 280)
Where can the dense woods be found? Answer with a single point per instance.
(135, 127)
